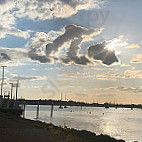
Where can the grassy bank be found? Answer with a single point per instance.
(14, 129)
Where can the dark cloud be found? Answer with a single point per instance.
(72, 39)
(10, 54)
(74, 34)
(71, 32)
(36, 56)
(72, 54)
(4, 57)
(99, 52)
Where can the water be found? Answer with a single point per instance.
(119, 123)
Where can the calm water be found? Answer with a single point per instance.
(119, 123)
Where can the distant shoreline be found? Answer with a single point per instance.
(78, 104)
(16, 129)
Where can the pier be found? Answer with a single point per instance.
(74, 103)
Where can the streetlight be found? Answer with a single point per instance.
(2, 81)
(11, 89)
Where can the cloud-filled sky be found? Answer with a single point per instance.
(86, 49)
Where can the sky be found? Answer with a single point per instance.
(90, 50)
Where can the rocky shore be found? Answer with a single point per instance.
(15, 129)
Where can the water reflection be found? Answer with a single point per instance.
(119, 123)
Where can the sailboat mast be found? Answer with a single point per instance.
(61, 102)
(61, 96)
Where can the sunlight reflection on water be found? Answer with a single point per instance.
(119, 123)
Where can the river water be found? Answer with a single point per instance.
(119, 123)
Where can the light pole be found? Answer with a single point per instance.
(11, 89)
(3, 67)
(17, 85)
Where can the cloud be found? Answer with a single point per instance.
(72, 54)
(35, 56)
(9, 55)
(137, 59)
(32, 78)
(4, 56)
(99, 52)
(71, 38)
(48, 47)
(75, 34)
(38, 10)
(112, 77)
(22, 79)
(8, 21)
(134, 46)
(47, 9)
(14, 32)
(81, 94)
(123, 89)
(7, 18)
(37, 45)
(134, 74)
(106, 95)
(130, 89)
(128, 74)
(71, 32)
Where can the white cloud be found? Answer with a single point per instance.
(14, 32)
(8, 21)
(47, 9)
(10, 55)
(32, 78)
(38, 10)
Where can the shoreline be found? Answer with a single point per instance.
(17, 129)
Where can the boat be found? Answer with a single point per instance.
(106, 105)
(132, 106)
(60, 107)
(65, 103)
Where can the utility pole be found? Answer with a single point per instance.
(17, 85)
(2, 81)
(11, 89)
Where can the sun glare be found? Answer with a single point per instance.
(111, 47)
(117, 42)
